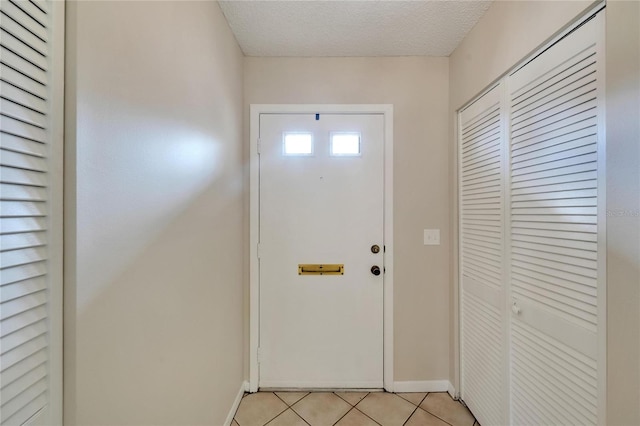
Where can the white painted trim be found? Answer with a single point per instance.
(254, 235)
(602, 221)
(455, 257)
(318, 385)
(423, 386)
(388, 252)
(254, 218)
(452, 392)
(56, 219)
(236, 403)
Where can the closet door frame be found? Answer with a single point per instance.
(601, 210)
(56, 251)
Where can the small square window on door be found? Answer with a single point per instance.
(345, 144)
(297, 144)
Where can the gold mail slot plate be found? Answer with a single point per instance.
(320, 269)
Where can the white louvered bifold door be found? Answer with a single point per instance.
(483, 318)
(31, 211)
(555, 108)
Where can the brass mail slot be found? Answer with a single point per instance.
(321, 269)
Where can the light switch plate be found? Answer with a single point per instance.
(431, 237)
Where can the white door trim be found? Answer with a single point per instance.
(56, 224)
(254, 220)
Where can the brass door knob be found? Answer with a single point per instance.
(375, 270)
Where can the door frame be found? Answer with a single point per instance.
(57, 217)
(254, 221)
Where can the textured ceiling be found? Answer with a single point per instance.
(351, 28)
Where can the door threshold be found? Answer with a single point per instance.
(285, 389)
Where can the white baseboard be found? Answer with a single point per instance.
(236, 403)
(423, 386)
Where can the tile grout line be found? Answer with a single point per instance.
(353, 405)
(285, 402)
(438, 417)
(414, 411)
(345, 399)
(298, 414)
(348, 411)
(236, 413)
(410, 415)
(426, 411)
(289, 407)
(417, 407)
(294, 411)
(362, 412)
(366, 415)
(421, 401)
(277, 415)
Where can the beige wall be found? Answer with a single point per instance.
(153, 297)
(417, 87)
(623, 206)
(507, 33)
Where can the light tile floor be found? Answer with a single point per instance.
(351, 409)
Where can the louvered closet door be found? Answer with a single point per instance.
(30, 210)
(483, 305)
(555, 104)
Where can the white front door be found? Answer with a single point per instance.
(321, 208)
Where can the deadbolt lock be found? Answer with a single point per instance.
(375, 248)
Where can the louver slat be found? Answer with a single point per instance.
(20, 96)
(13, 43)
(37, 14)
(15, 30)
(23, 288)
(22, 113)
(12, 11)
(26, 67)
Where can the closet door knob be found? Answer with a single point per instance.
(516, 309)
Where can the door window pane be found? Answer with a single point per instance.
(296, 144)
(345, 144)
